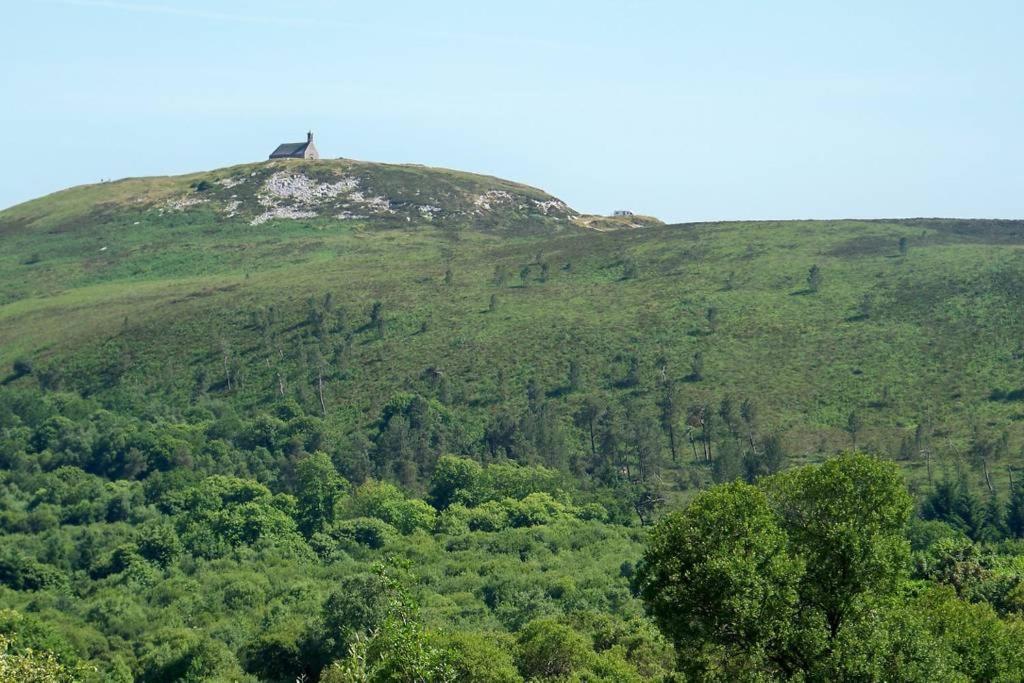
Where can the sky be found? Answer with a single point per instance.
(688, 111)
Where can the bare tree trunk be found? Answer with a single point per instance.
(227, 364)
(672, 442)
(320, 388)
(988, 478)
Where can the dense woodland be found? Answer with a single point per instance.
(458, 451)
(219, 547)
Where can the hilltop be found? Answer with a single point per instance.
(389, 195)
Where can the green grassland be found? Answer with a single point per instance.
(105, 270)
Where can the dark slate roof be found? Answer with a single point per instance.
(290, 149)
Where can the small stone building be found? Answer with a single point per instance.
(297, 150)
(622, 212)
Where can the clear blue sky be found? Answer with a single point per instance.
(685, 110)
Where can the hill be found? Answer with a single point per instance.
(219, 285)
(293, 418)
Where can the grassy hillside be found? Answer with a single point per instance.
(327, 419)
(158, 290)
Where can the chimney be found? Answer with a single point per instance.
(309, 137)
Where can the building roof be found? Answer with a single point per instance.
(290, 149)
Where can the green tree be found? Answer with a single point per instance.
(575, 376)
(847, 519)
(1015, 512)
(814, 278)
(31, 666)
(550, 650)
(720, 574)
(669, 409)
(854, 426)
(22, 367)
(475, 657)
(630, 269)
(318, 489)
(697, 367)
(500, 278)
(712, 317)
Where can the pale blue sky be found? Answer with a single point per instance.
(685, 110)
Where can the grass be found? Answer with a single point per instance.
(101, 271)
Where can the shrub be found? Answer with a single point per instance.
(368, 531)
(22, 367)
(549, 650)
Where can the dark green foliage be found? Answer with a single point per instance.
(549, 650)
(697, 367)
(711, 314)
(854, 426)
(740, 590)
(806, 577)
(320, 488)
(814, 278)
(22, 367)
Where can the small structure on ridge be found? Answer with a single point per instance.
(297, 150)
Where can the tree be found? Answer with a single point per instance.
(549, 650)
(492, 305)
(632, 377)
(453, 477)
(814, 278)
(1015, 511)
(588, 418)
(480, 658)
(712, 317)
(728, 465)
(449, 277)
(904, 245)
(545, 270)
(630, 269)
(500, 275)
(748, 413)
(575, 375)
(524, 275)
(376, 312)
(847, 519)
(22, 367)
(719, 578)
(31, 666)
(318, 371)
(697, 367)
(866, 306)
(854, 425)
(669, 414)
(318, 489)
(727, 411)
